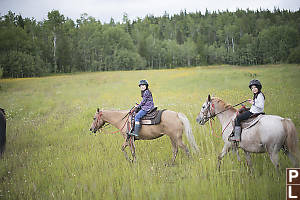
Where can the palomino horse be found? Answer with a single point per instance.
(172, 124)
(2, 131)
(270, 134)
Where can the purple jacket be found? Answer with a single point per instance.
(147, 103)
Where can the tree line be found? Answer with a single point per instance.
(60, 45)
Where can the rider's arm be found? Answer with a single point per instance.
(259, 101)
(145, 97)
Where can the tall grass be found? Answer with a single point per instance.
(50, 153)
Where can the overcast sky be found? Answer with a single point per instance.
(103, 10)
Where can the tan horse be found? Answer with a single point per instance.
(270, 134)
(172, 124)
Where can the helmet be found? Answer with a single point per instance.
(143, 82)
(256, 83)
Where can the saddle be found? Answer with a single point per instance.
(252, 120)
(153, 117)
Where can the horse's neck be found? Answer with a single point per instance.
(115, 118)
(226, 117)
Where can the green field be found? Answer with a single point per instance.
(50, 153)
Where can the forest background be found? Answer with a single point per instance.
(60, 45)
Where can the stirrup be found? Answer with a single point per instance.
(233, 138)
(132, 134)
(230, 137)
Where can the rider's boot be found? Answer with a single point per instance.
(137, 128)
(237, 134)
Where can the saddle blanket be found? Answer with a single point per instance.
(251, 122)
(152, 118)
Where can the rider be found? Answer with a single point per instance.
(257, 102)
(145, 106)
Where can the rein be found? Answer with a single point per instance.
(212, 116)
(108, 124)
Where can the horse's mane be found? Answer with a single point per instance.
(115, 111)
(224, 104)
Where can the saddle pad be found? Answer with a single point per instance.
(251, 122)
(153, 120)
(151, 115)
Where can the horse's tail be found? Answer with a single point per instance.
(2, 131)
(188, 131)
(292, 140)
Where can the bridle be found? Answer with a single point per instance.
(108, 124)
(211, 110)
(212, 113)
(98, 119)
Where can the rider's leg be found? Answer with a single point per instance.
(137, 119)
(237, 133)
(237, 128)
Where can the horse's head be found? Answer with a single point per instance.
(206, 112)
(98, 122)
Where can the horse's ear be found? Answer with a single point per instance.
(98, 109)
(208, 98)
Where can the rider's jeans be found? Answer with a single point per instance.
(139, 115)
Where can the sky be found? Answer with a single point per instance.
(104, 10)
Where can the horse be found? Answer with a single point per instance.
(270, 134)
(172, 124)
(2, 131)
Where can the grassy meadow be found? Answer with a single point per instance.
(50, 153)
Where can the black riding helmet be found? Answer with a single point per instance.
(256, 83)
(143, 82)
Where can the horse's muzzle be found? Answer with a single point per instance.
(201, 121)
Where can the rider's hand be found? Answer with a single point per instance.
(251, 101)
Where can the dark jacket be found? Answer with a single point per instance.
(147, 103)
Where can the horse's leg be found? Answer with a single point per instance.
(292, 158)
(274, 159)
(237, 155)
(248, 160)
(236, 150)
(132, 148)
(174, 149)
(124, 145)
(184, 147)
(223, 153)
(273, 153)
